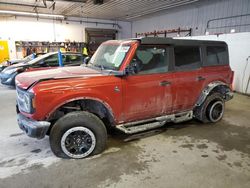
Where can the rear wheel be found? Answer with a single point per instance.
(215, 111)
(212, 110)
(78, 135)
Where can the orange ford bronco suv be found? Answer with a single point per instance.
(132, 85)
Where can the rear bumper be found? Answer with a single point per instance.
(229, 95)
(34, 129)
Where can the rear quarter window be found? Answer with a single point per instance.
(216, 55)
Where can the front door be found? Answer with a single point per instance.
(147, 92)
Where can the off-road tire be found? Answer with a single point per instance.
(78, 119)
(201, 113)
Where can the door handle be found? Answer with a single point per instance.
(200, 78)
(165, 83)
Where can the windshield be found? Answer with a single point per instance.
(28, 58)
(109, 56)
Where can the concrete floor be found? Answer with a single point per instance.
(184, 155)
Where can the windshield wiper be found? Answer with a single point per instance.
(96, 66)
(100, 66)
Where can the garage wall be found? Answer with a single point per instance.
(239, 56)
(196, 16)
(31, 29)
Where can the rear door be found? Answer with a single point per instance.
(188, 78)
(147, 93)
(216, 64)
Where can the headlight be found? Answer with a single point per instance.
(24, 101)
(10, 71)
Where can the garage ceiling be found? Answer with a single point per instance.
(126, 10)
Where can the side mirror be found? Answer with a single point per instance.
(86, 60)
(133, 67)
(130, 70)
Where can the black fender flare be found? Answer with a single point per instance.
(218, 86)
(92, 105)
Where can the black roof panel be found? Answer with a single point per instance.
(172, 41)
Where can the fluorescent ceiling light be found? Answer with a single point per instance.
(30, 14)
(135, 16)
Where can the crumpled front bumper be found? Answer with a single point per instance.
(33, 128)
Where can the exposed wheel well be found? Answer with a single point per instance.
(89, 105)
(216, 87)
(222, 89)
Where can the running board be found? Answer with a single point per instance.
(145, 125)
(140, 128)
(184, 116)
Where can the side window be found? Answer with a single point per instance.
(52, 61)
(151, 59)
(187, 57)
(72, 59)
(216, 55)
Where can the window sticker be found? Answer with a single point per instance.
(124, 49)
(120, 55)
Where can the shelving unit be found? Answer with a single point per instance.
(24, 48)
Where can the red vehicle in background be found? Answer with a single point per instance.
(131, 85)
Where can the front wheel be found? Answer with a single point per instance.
(212, 110)
(78, 135)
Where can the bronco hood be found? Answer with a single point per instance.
(25, 80)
